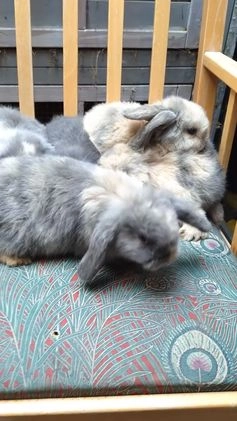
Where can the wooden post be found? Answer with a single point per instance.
(114, 50)
(234, 241)
(24, 56)
(70, 56)
(228, 131)
(211, 39)
(159, 49)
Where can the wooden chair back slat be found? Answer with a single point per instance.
(227, 138)
(228, 130)
(211, 39)
(114, 50)
(70, 57)
(24, 56)
(159, 49)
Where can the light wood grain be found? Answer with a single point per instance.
(170, 407)
(70, 56)
(234, 241)
(24, 56)
(115, 50)
(211, 39)
(228, 130)
(223, 67)
(159, 49)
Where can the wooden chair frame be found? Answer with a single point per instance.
(212, 66)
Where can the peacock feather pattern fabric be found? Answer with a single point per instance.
(175, 331)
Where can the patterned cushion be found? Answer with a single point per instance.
(171, 332)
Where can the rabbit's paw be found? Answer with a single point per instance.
(14, 260)
(189, 233)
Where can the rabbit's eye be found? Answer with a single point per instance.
(192, 131)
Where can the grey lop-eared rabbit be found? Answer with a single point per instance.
(58, 206)
(166, 144)
(21, 135)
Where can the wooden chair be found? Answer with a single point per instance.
(212, 66)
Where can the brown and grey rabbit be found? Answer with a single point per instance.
(171, 148)
(21, 135)
(58, 206)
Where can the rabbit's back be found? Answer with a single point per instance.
(40, 204)
(13, 118)
(18, 142)
(69, 138)
(21, 135)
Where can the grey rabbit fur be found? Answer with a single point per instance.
(171, 148)
(158, 147)
(57, 206)
(65, 136)
(68, 137)
(21, 135)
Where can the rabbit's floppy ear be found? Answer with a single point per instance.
(163, 120)
(144, 112)
(102, 237)
(187, 212)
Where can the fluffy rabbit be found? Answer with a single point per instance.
(170, 149)
(107, 125)
(21, 135)
(51, 206)
(69, 138)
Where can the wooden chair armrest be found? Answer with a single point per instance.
(223, 67)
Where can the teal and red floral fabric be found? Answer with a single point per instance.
(175, 331)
